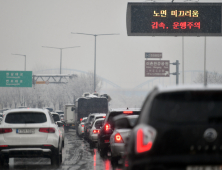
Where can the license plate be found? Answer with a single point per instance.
(25, 131)
(208, 167)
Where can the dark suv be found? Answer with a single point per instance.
(108, 127)
(179, 128)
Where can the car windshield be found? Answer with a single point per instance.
(56, 117)
(84, 120)
(25, 118)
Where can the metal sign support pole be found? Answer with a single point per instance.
(95, 67)
(205, 72)
(183, 59)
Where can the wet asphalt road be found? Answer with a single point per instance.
(77, 155)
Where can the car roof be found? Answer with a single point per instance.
(125, 109)
(99, 119)
(26, 110)
(125, 116)
(197, 87)
(53, 113)
(101, 114)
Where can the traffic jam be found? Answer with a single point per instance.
(159, 124)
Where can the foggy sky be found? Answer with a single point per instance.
(27, 25)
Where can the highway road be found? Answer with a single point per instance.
(77, 155)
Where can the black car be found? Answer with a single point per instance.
(108, 127)
(179, 128)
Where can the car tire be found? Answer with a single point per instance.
(4, 161)
(63, 143)
(91, 144)
(56, 158)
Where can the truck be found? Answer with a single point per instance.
(90, 104)
(69, 117)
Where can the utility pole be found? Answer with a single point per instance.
(177, 71)
(95, 35)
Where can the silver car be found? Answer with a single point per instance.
(57, 120)
(94, 131)
(123, 126)
(81, 126)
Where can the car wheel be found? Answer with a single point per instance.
(91, 144)
(56, 158)
(4, 161)
(114, 161)
(63, 143)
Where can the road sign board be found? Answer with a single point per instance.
(15, 78)
(157, 68)
(174, 19)
(153, 55)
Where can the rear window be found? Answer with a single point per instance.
(91, 118)
(84, 120)
(26, 117)
(113, 114)
(56, 117)
(182, 107)
(99, 124)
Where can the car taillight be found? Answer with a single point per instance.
(47, 130)
(95, 131)
(118, 138)
(104, 116)
(3, 146)
(80, 119)
(128, 112)
(5, 130)
(82, 125)
(144, 139)
(107, 127)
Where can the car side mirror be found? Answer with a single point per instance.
(73, 108)
(60, 124)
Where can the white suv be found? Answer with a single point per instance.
(28, 133)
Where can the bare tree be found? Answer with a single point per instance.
(212, 78)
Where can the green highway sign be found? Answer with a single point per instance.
(15, 78)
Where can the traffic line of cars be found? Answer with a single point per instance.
(29, 133)
(177, 128)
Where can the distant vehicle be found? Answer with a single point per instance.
(62, 117)
(91, 118)
(48, 108)
(123, 125)
(179, 128)
(59, 112)
(90, 104)
(69, 117)
(94, 131)
(108, 127)
(60, 124)
(81, 127)
(22, 107)
(31, 132)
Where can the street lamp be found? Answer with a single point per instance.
(60, 54)
(95, 35)
(24, 56)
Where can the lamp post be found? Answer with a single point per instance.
(60, 54)
(95, 35)
(24, 56)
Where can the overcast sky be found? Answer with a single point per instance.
(27, 25)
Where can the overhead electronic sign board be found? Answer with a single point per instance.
(174, 19)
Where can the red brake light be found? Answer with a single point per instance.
(82, 125)
(140, 147)
(128, 112)
(5, 130)
(47, 145)
(3, 146)
(80, 119)
(47, 130)
(95, 131)
(118, 138)
(104, 116)
(107, 127)
(106, 141)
